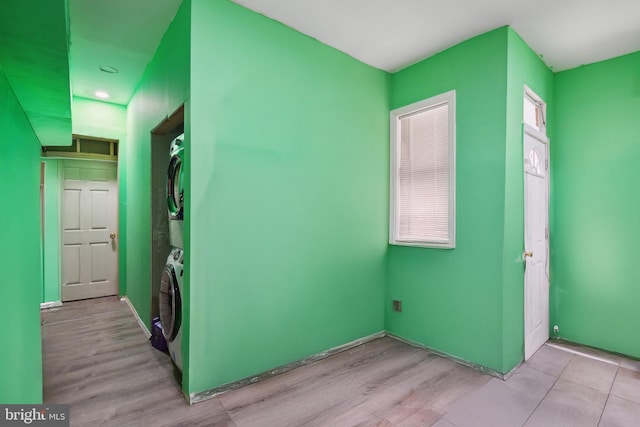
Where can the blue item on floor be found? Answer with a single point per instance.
(157, 337)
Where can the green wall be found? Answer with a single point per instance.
(287, 200)
(468, 302)
(163, 89)
(452, 299)
(34, 54)
(524, 68)
(90, 118)
(595, 176)
(287, 196)
(21, 357)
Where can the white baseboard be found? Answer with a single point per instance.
(50, 304)
(135, 313)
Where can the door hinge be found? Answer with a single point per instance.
(546, 233)
(546, 164)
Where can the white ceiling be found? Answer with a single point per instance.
(119, 33)
(386, 34)
(392, 34)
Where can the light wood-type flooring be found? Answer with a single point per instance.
(97, 359)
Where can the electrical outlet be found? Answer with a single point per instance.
(556, 329)
(397, 305)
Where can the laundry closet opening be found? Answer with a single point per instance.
(162, 137)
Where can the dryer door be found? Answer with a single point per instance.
(170, 303)
(175, 187)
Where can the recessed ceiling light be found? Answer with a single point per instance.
(102, 94)
(109, 69)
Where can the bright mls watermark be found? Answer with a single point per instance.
(34, 415)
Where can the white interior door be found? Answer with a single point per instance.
(89, 227)
(536, 281)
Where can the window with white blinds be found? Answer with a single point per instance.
(423, 173)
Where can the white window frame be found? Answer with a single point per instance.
(395, 117)
(541, 109)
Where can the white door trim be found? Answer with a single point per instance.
(531, 347)
(63, 163)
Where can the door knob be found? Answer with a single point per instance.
(112, 235)
(527, 254)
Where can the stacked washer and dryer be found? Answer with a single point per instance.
(171, 289)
